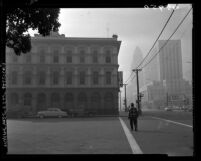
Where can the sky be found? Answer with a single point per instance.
(134, 27)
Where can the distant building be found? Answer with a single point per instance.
(65, 72)
(166, 69)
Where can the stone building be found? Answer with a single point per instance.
(66, 73)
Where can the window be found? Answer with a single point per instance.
(108, 56)
(15, 59)
(56, 56)
(42, 58)
(14, 99)
(27, 99)
(69, 97)
(82, 77)
(95, 78)
(55, 77)
(42, 77)
(82, 56)
(82, 59)
(69, 58)
(95, 97)
(55, 99)
(69, 77)
(28, 58)
(14, 77)
(82, 97)
(27, 77)
(108, 77)
(108, 97)
(95, 56)
(41, 101)
(108, 59)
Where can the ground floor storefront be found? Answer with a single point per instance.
(98, 100)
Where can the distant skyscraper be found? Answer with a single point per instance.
(167, 65)
(137, 58)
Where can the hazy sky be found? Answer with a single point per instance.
(134, 27)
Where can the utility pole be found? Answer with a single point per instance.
(167, 99)
(138, 94)
(120, 99)
(125, 96)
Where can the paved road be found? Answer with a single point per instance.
(102, 135)
(67, 136)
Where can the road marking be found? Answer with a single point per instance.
(173, 122)
(133, 144)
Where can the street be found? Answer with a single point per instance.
(103, 135)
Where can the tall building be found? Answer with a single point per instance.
(166, 68)
(66, 73)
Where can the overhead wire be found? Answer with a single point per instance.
(158, 36)
(153, 44)
(168, 39)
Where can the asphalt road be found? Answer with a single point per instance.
(102, 135)
(160, 132)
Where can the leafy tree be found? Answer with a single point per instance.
(19, 20)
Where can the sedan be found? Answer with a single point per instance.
(52, 112)
(168, 109)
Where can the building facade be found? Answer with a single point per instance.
(65, 73)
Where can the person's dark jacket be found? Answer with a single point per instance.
(133, 113)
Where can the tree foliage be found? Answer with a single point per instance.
(19, 20)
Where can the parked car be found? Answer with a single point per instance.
(168, 108)
(52, 112)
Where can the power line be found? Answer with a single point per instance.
(128, 77)
(158, 36)
(168, 38)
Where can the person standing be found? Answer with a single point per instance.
(133, 115)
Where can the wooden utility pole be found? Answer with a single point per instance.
(125, 96)
(138, 94)
(120, 99)
(167, 99)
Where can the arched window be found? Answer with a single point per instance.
(82, 77)
(95, 56)
(108, 56)
(95, 77)
(55, 99)
(42, 58)
(14, 78)
(27, 99)
(69, 97)
(27, 77)
(108, 77)
(28, 58)
(55, 77)
(41, 100)
(56, 56)
(69, 77)
(14, 99)
(41, 77)
(82, 54)
(82, 97)
(108, 97)
(95, 97)
(69, 56)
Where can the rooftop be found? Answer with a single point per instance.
(56, 35)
